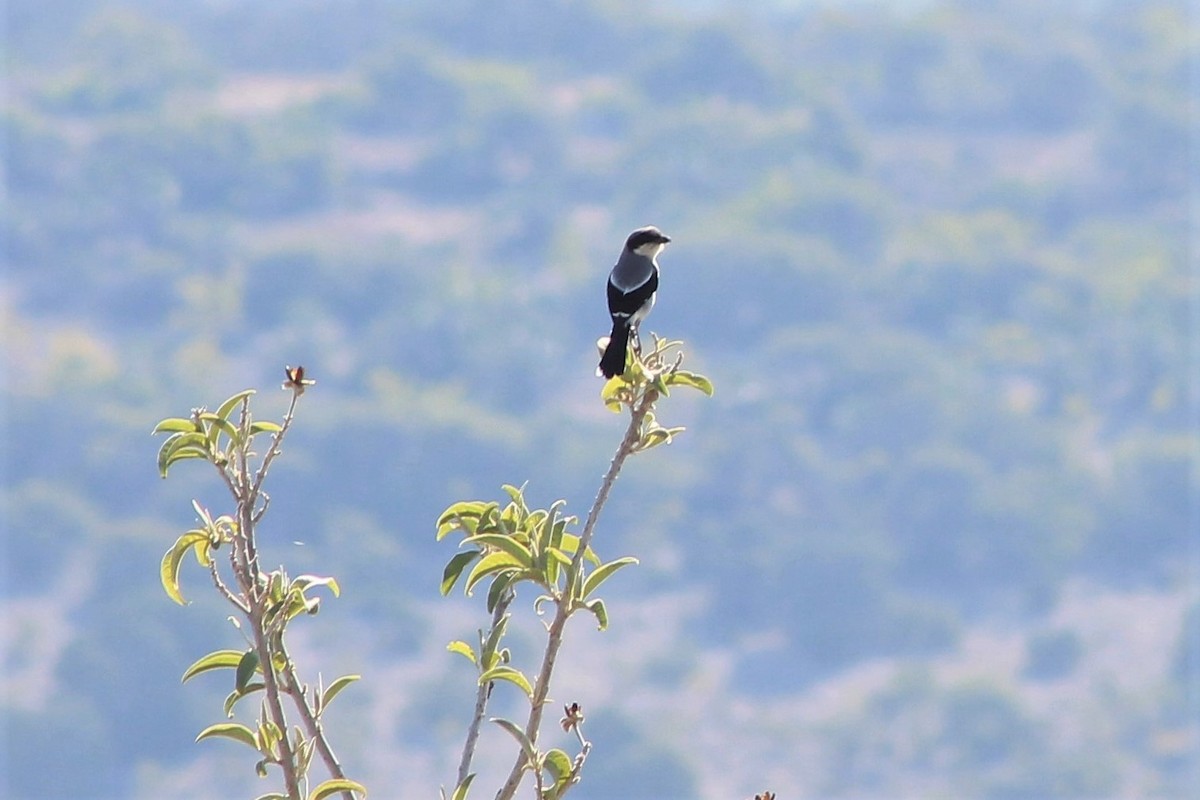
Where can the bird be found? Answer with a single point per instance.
(632, 288)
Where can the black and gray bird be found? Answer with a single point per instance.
(632, 287)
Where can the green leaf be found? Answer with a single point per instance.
(192, 439)
(510, 674)
(201, 550)
(182, 454)
(518, 498)
(558, 764)
(494, 562)
(560, 528)
(463, 649)
(685, 378)
(268, 736)
(511, 519)
(227, 407)
(498, 541)
(181, 445)
(468, 525)
(169, 570)
(497, 590)
(265, 426)
(653, 438)
(487, 655)
(598, 608)
(451, 519)
(469, 508)
(296, 603)
(515, 731)
(336, 687)
(601, 574)
(336, 786)
(545, 534)
(219, 425)
(570, 543)
(554, 560)
(535, 519)
(219, 659)
(612, 393)
(165, 451)
(454, 568)
(247, 666)
(176, 425)
(303, 582)
(460, 791)
(304, 751)
(230, 730)
(233, 697)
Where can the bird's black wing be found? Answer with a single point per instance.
(627, 303)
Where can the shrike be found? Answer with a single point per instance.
(632, 287)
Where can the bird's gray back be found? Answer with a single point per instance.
(631, 271)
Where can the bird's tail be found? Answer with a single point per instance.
(613, 361)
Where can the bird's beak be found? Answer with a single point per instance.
(665, 238)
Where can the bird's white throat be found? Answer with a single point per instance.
(650, 250)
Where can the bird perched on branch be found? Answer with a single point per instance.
(632, 288)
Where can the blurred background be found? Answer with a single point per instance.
(935, 535)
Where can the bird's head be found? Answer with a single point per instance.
(648, 241)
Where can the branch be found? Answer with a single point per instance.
(614, 469)
(585, 747)
(287, 760)
(564, 604)
(245, 505)
(312, 724)
(258, 596)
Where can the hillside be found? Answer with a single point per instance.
(934, 535)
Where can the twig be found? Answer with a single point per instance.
(224, 590)
(276, 447)
(577, 767)
(266, 498)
